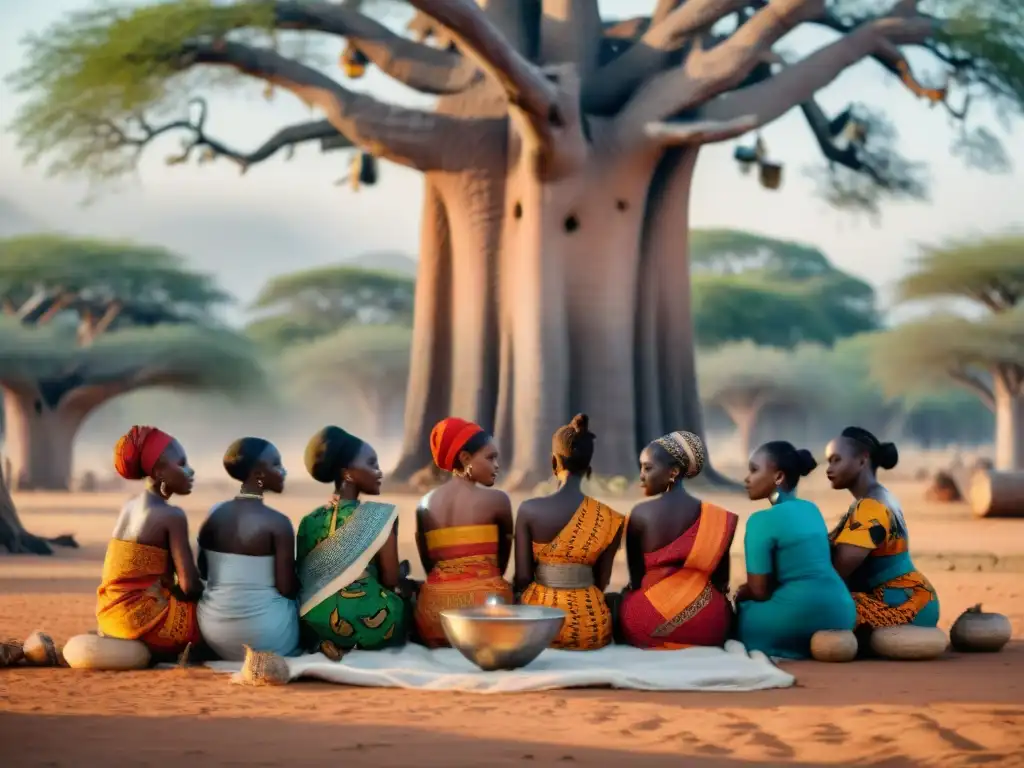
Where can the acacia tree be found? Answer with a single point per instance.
(558, 163)
(86, 321)
(306, 305)
(984, 355)
(744, 379)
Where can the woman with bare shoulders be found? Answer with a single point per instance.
(247, 556)
(150, 583)
(347, 553)
(566, 544)
(677, 549)
(463, 528)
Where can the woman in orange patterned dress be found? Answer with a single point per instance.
(566, 543)
(463, 529)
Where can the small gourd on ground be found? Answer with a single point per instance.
(262, 668)
(835, 646)
(909, 643)
(105, 653)
(980, 632)
(41, 651)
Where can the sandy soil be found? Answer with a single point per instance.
(960, 710)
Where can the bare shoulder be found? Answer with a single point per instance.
(279, 520)
(494, 498)
(173, 516)
(644, 510)
(423, 505)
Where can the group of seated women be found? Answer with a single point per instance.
(338, 584)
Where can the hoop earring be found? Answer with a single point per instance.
(259, 483)
(468, 474)
(163, 490)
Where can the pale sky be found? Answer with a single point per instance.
(283, 216)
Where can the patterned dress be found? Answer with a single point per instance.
(887, 589)
(580, 543)
(342, 603)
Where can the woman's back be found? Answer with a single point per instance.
(798, 537)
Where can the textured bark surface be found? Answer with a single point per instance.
(38, 441)
(1009, 411)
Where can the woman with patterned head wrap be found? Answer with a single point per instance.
(566, 544)
(792, 591)
(463, 528)
(871, 544)
(150, 583)
(677, 549)
(347, 553)
(247, 556)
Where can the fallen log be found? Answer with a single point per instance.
(997, 494)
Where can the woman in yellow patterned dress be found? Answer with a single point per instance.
(463, 528)
(566, 543)
(870, 545)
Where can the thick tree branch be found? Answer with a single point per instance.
(525, 85)
(570, 31)
(707, 73)
(417, 139)
(414, 64)
(614, 83)
(797, 84)
(699, 131)
(975, 385)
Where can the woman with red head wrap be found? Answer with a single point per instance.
(463, 528)
(150, 583)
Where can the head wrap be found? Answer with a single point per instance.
(329, 451)
(686, 449)
(138, 451)
(448, 437)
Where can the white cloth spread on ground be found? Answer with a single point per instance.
(616, 666)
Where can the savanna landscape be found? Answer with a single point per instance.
(565, 263)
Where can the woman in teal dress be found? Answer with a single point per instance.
(792, 590)
(347, 553)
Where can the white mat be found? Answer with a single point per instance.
(616, 666)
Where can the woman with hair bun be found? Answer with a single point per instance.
(347, 553)
(677, 548)
(247, 556)
(792, 590)
(870, 545)
(463, 528)
(566, 544)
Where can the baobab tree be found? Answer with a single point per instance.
(558, 164)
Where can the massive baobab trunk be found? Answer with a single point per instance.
(38, 440)
(558, 164)
(1009, 411)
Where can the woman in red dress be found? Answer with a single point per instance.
(677, 548)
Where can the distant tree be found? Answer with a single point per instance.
(365, 368)
(983, 353)
(773, 292)
(307, 305)
(86, 321)
(743, 379)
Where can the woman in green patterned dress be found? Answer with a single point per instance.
(347, 553)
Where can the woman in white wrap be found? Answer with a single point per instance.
(247, 556)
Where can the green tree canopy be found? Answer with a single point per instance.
(366, 364)
(986, 354)
(773, 292)
(86, 321)
(313, 303)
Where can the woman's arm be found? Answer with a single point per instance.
(635, 549)
(421, 536)
(865, 527)
(185, 569)
(605, 563)
(506, 530)
(759, 547)
(387, 561)
(285, 579)
(524, 549)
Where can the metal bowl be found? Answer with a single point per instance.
(498, 636)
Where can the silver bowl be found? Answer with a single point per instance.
(498, 636)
